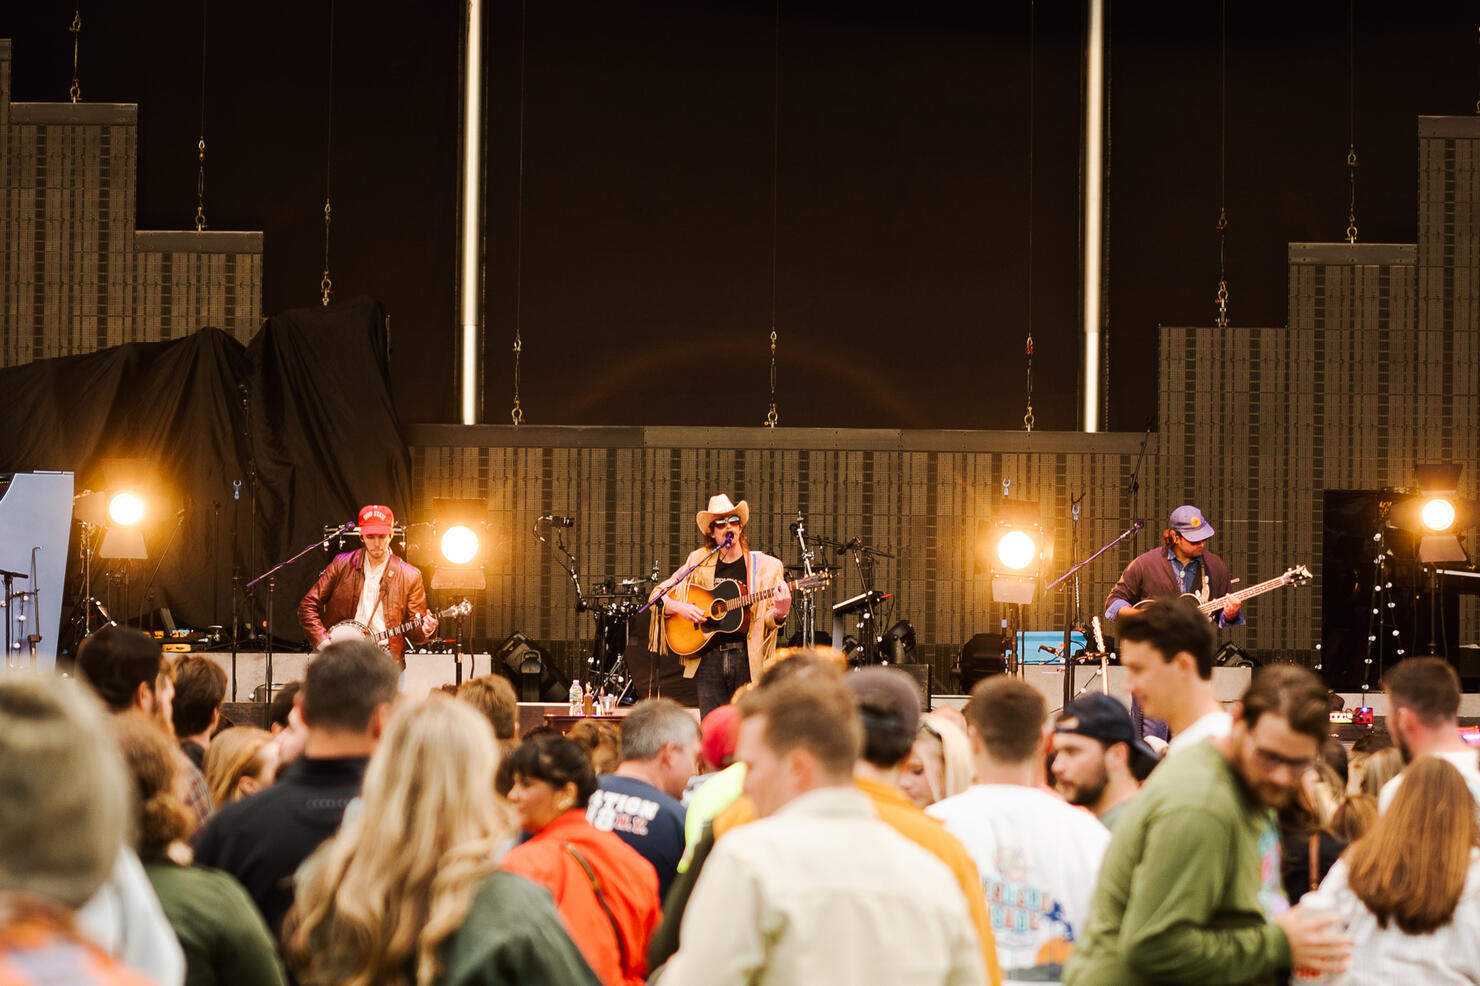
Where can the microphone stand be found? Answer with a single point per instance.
(149, 586)
(809, 605)
(271, 576)
(1062, 579)
(680, 576)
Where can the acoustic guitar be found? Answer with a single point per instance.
(350, 630)
(724, 610)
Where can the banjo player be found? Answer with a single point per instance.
(368, 589)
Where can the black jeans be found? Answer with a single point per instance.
(722, 669)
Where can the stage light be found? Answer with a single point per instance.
(459, 545)
(899, 642)
(1016, 550)
(1437, 514)
(125, 509)
(1015, 547)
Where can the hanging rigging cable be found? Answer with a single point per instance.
(1351, 103)
(326, 284)
(76, 91)
(771, 415)
(516, 414)
(1222, 297)
(1028, 419)
(200, 147)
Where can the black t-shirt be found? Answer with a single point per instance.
(730, 571)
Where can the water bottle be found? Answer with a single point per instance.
(575, 697)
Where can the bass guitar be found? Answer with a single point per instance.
(1298, 575)
(350, 630)
(724, 611)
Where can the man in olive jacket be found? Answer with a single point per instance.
(1190, 890)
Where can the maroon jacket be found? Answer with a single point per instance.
(336, 594)
(1150, 576)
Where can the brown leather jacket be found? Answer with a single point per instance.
(336, 594)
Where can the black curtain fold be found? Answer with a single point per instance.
(305, 407)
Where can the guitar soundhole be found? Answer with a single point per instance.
(718, 609)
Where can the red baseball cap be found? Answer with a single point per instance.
(376, 519)
(720, 733)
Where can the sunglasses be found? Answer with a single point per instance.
(725, 522)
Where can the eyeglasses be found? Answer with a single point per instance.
(725, 522)
(1269, 760)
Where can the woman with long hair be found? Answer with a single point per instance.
(409, 890)
(940, 762)
(1409, 891)
(239, 762)
(606, 893)
(1309, 845)
(223, 935)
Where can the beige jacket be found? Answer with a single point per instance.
(762, 572)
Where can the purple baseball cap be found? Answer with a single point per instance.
(1189, 522)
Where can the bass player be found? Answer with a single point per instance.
(728, 660)
(1182, 565)
(371, 587)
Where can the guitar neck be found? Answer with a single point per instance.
(1249, 593)
(760, 594)
(390, 632)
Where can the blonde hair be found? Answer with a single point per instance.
(234, 754)
(399, 878)
(955, 773)
(1380, 768)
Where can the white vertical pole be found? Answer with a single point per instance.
(471, 232)
(1094, 197)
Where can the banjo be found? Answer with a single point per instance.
(350, 630)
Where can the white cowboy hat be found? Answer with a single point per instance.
(720, 506)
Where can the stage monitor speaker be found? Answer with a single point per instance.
(528, 666)
(981, 657)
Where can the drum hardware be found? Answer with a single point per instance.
(612, 605)
(868, 643)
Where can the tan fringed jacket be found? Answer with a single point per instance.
(762, 571)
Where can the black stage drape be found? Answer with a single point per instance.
(302, 416)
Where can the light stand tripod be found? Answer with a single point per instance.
(1061, 580)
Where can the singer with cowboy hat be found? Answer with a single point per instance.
(370, 586)
(728, 660)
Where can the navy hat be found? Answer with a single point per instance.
(1189, 522)
(1104, 718)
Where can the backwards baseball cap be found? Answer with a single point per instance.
(1104, 718)
(1189, 522)
(376, 519)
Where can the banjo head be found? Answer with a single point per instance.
(347, 630)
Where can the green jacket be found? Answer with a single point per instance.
(221, 931)
(512, 936)
(1188, 886)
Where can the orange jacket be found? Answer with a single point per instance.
(628, 882)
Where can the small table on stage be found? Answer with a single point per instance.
(563, 721)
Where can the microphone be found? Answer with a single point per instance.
(843, 549)
(729, 539)
(555, 520)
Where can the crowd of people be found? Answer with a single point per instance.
(817, 827)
